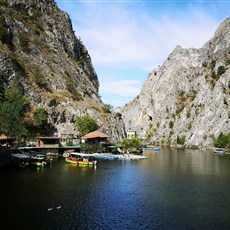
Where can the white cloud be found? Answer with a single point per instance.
(115, 35)
(125, 36)
(129, 88)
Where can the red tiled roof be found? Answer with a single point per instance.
(95, 134)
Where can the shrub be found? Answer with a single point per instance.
(39, 77)
(193, 94)
(171, 124)
(88, 148)
(3, 33)
(171, 133)
(133, 142)
(107, 108)
(5, 37)
(72, 89)
(179, 109)
(221, 70)
(24, 42)
(213, 83)
(213, 74)
(181, 140)
(213, 64)
(204, 64)
(222, 141)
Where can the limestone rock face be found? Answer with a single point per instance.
(41, 55)
(189, 95)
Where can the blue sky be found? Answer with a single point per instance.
(127, 39)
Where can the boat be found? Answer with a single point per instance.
(39, 159)
(219, 151)
(156, 149)
(81, 159)
(107, 156)
(153, 148)
(21, 160)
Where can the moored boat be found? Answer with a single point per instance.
(21, 160)
(107, 156)
(80, 159)
(153, 148)
(219, 151)
(39, 159)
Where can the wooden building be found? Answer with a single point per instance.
(7, 140)
(131, 133)
(48, 142)
(69, 139)
(95, 137)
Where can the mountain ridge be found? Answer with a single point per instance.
(187, 97)
(42, 57)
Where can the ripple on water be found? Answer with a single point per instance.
(166, 191)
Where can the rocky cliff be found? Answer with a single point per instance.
(187, 98)
(40, 55)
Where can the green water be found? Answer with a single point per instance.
(172, 189)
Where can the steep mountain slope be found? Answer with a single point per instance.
(40, 55)
(187, 97)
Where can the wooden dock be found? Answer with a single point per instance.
(50, 150)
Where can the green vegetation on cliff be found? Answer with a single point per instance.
(17, 119)
(223, 141)
(86, 124)
(13, 108)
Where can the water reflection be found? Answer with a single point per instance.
(187, 161)
(173, 189)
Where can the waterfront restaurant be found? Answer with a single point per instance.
(95, 137)
(68, 139)
(48, 142)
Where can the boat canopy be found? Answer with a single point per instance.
(82, 154)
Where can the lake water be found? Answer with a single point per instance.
(172, 189)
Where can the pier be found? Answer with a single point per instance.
(51, 150)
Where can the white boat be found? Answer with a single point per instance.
(80, 159)
(107, 156)
(219, 150)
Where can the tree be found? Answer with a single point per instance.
(181, 140)
(40, 117)
(222, 141)
(133, 142)
(107, 108)
(13, 107)
(86, 124)
(40, 120)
